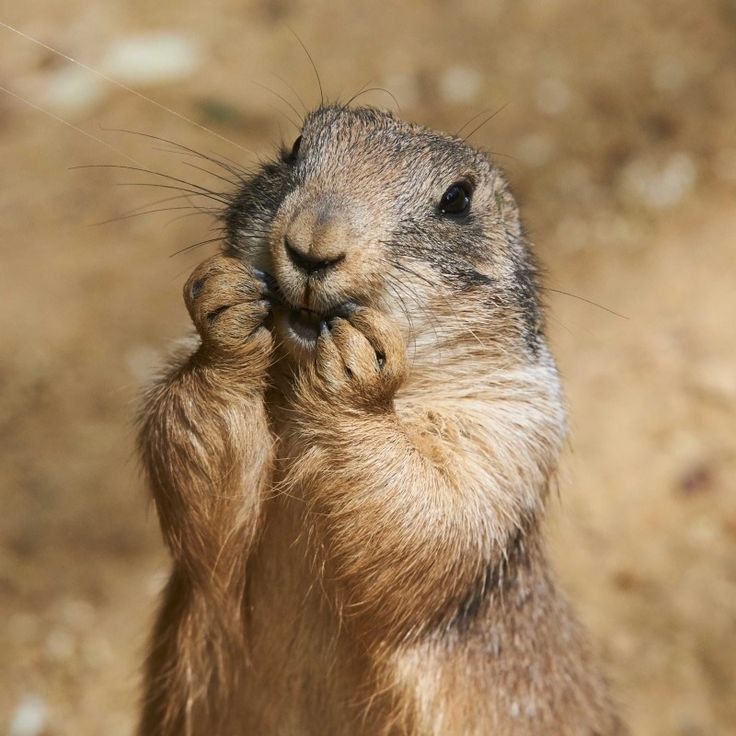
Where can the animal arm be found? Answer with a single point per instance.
(415, 510)
(206, 448)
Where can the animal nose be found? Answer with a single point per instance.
(308, 263)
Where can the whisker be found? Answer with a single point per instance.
(225, 202)
(240, 175)
(583, 299)
(131, 215)
(191, 247)
(283, 99)
(314, 66)
(473, 119)
(485, 121)
(239, 169)
(367, 90)
(211, 173)
(157, 202)
(149, 171)
(67, 123)
(293, 91)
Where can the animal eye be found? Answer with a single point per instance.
(456, 200)
(291, 156)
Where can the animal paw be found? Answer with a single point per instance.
(228, 302)
(360, 358)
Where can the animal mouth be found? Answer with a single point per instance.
(301, 326)
(306, 323)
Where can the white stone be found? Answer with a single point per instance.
(460, 84)
(660, 186)
(30, 717)
(71, 90)
(150, 59)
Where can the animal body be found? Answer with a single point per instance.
(351, 462)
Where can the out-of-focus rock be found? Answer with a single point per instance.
(137, 61)
(659, 185)
(150, 59)
(70, 90)
(29, 718)
(460, 84)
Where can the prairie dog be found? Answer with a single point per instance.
(350, 465)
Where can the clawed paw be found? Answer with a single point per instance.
(361, 356)
(228, 301)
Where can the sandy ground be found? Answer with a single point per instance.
(617, 132)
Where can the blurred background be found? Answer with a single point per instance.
(616, 125)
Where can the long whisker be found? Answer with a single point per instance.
(486, 120)
(473, 119)
(238, 170)
(314, 66)
(583, 299)
(131, 215)
(214, 198)
(284, 100)
(188, 248)
(68, 124)
(291, 89)
(122, 86)
(211, 173)
(407, 288)
(367, 90)
(142, 170)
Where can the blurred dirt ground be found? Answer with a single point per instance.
(615, 122)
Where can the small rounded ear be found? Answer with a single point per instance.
(506, 208)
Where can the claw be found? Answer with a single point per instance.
(271, 286)
(197, 287)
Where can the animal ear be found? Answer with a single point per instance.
(506, 207)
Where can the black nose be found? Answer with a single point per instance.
(310, 264)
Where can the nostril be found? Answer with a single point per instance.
(308, 263)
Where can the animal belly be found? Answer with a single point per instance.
(303, 675)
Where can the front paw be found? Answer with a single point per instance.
(360, 360)
(228, 302)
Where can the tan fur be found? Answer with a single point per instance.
(356, 530)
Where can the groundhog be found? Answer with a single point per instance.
(351, 461)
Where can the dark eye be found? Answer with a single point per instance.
(456, 200)
(291, 156)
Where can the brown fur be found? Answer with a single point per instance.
(355, 526)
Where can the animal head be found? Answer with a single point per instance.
(365, 208)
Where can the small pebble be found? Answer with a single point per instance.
(659, 186)
(30, 717)
(150, 59)
(460, 84)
